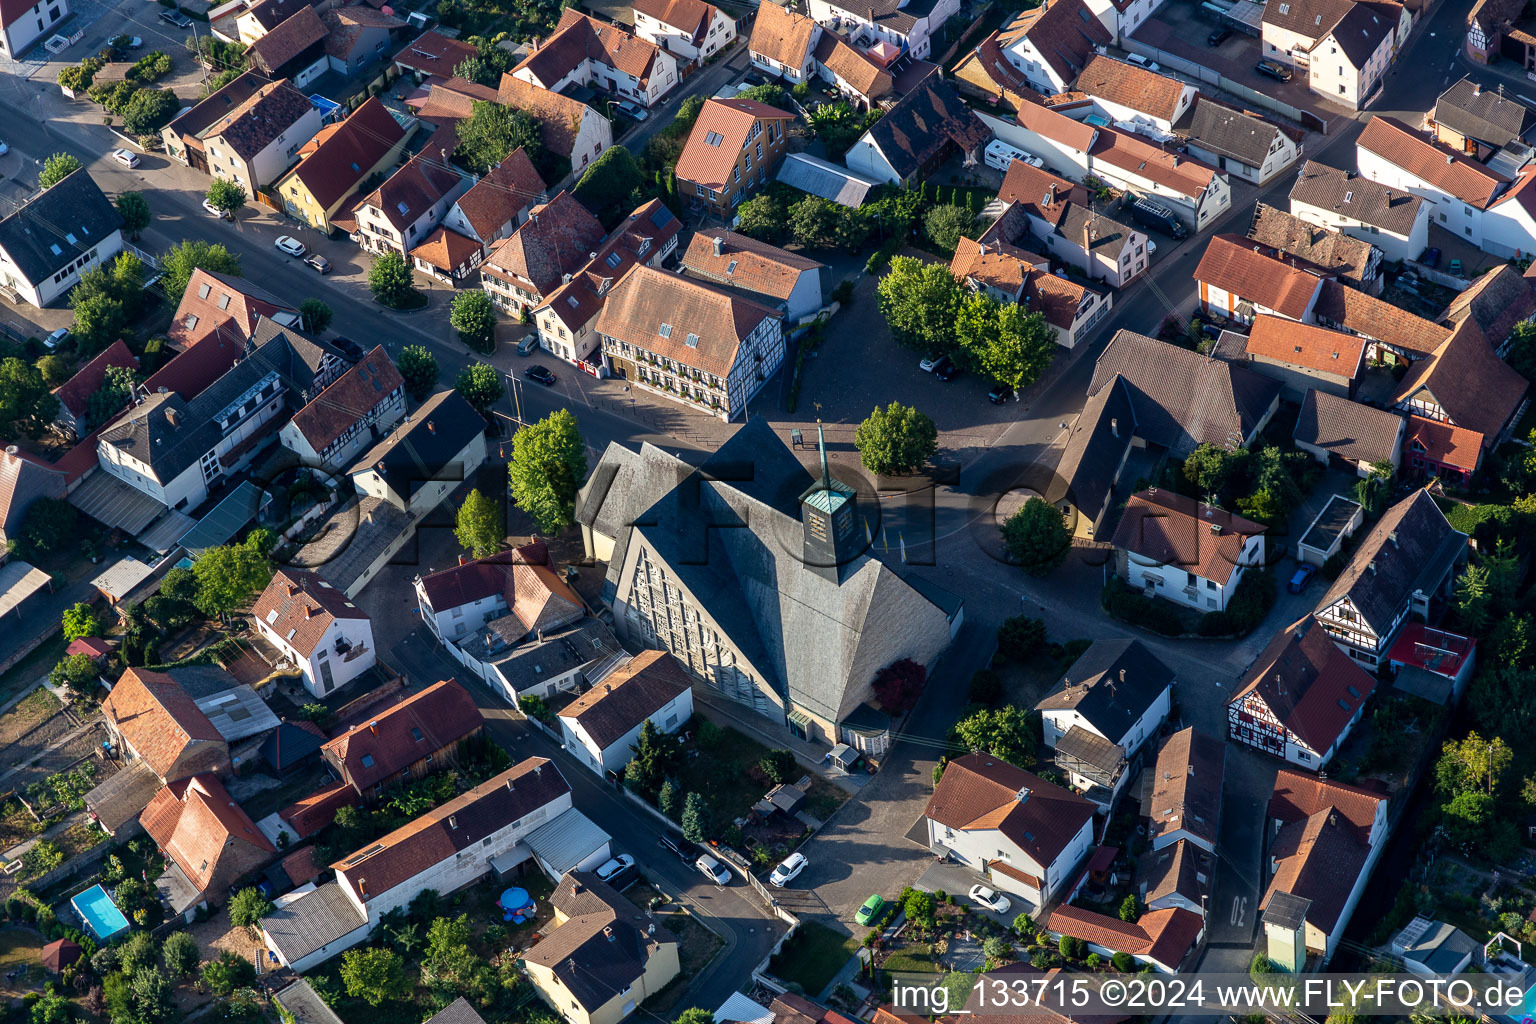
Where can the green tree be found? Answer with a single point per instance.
(819, 224)
(1468, 817)
(1005, 341)
(374, 974)
(229, 577)
(1130, 908)
(56, 168)
(490, 134)
(1472, 764)
(921, 302)
(126, 281)
(99, 321)
(487, 66)
(1208, 467)
(1473, 598)
(134, 209)
(226, 195)
(179, 585)
(1008, 732)
(1036, 537)
(921, 908)
(179, 261)
(54, 368)
(608, 183)
(48, 526)
(1522, 349)
(695, 819)
(480, 384)
(657, 755)
(764, 217)
(51, 1008)
(549, 461)
(140, 951)
(180, 954)
(670, 800)
(896, 439)
(479, 527)
(473, 315)
(78, 672)
(1070, 947)
(1123, 962)
(1020, 638)
(779, 765)
(391, 281)
(27, 404)
(946, 225)
(695, 1015)
(316, 315)
(418, 367)
(106, 401)
(248, 906)
(149, 110)
(449, 960)
(231, 971)
(152, 997)
(80, 620)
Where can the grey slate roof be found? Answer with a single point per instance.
(1356, 197)
(423, 445)
(622, 485)
(1347, 429)
(1487, 115)
(1410, 548)
(926, 119)
(820, 178)
(1231, 133)
(311, 921)
(1183, 399)
(1095, 450)
(355, 535)
(57, 226)
(527, 664)
(1363, 29)
(457, 1012)
(1112, 685)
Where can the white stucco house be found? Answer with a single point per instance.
(692, 29)
(427, 455)
(22, 24)
(584, 51)
(313, 624)
(601, 727)
(1394, 221)
(1185, 551)
(55, 236)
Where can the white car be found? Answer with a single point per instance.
(713, 870)
(1151, 247)
(927, 365)
(786, 871)
(55, 339)
(125, 158)
(990, 899)
(213, 210)
(614, 865)
(290, 245)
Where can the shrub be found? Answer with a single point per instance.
(1123, 963)
(1021, 638)
(986, 687)
(1129, 606)
(1070, 947)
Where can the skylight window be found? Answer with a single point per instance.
(367, 760)
(713, 139)
(403, 208)
(1348, 196)
(570, 300)
(731, 267)
(415, 734)
(271, 616)
(203, 291)
(613, 260)
(56, 250)
(70, 236)
(1352, 691)
(665, 330)
(693, 341)
(224, 301)
(356, 168)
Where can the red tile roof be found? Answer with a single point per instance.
(497, 198)
(1447, 170)
(1170, 528)
(1135, 155)
(647, 231)
(782, 36)
(1165, 936)
(1445, 443)
(157, 717)
(214, 300)
(560, 117)
(298, 32)
(718, 136)
(424, 723)
(1235, 265)
(1311, 686)
(446, 250)
(1041, 193)
(347, 155)
(521, 577)
(435, 54)
(88, 645)
(75, 393)
(354, 395)
(691, 16)
(1058, 299)
(1064, 32)
(557, 238)
(746, 263)
(1475, 388)
(646, 299)
(628, 696)
(299, 606)
(315, 811)
(1044, 121)
(1130, 86)
(1315, 348)
(421, 182)
(1367, 315)
(578, 38)
(1300, 794)
(196, 822)
(994, 264)
(982, 791)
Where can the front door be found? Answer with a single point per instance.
(327, 682)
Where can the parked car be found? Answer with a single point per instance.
(991, 899)
(320, 263)
(1430, 257)
(1151, 247)
(352, 349)
(945, 369)
(1000, 394)
(685, 850)
(1302, 576)
(870, 910)
(541, 375)
(289, 245)
(1218, 36)
(176, 18)
(214, 211)
(56, 339)
(528, 344)
(1150, 213)
(611, 868)
(633, 111)
(134, 42)
(1274, 69)
(126, 158)
(788, 868)
(713, 870)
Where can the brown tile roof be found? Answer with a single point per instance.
(24, 478)
(578, 38)
(1169, 528)
(1356, 196)
(1312, 19)
(1347, 429)
(212, 301)
(446, 250)
(1310, 685)
(196, 822)
(435, 54)
(994, 264)
(1476, 388)
(75, 393)
(1299, 794)
(1315, 348)
(1350, 258)
(191, 123)
(982, 791)
(425, 722)
(645, 232)
(1078, 135)
(646, 300)
(480, 578)
(987, 69)
(156, 717)
(1495, 15)
(301, 867)
(90, 645)
(1064, 32)
(925, 121)
(604, 944)
(1231, 263)
(1041, 193)
(1323, 844)
(1135, 155)
(1497, 301)
(1232, 133)
(1163, 935)
(692, 16)
(356, 393)
(559, 116)
(298, 32)
(1186, 787)
(450, 101)
(1131, 86)
(1375, 318)
(717, 138)
(746, 263)
(412, 190)
(1058, 299)
(556, 239)
(253, 125)
(781, 35)
(453, 827)
(344, 28)
(627, 696)
(497, 198)
(300, 606)
(1444, 443)
(312, 813)
(866, 77)
(361, 141)
(1451, 172)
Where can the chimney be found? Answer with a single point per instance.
(1216, 529)
(173, 417)
(293, 589)
(719, 246)
(373, 726)
(1449, 158)
(1392, 537)
(608, 932)
(871, 15)
(1477, 90)
(576, 887)
(1114, 426)
(309, 612)
(463, 560)
(1088, 233)
(431, 427)
(1022, 795)
(453, 821)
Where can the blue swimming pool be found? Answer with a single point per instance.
(101, 916)
(1098, 119)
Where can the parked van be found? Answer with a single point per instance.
(1152, 214)
(999, 155)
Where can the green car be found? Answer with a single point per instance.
(870, 910)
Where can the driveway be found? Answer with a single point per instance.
(956, 880)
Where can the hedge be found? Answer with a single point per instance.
(1130, 606)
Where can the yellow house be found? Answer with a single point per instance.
(339, 159)
(604, 957)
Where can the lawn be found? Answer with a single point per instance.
(724, 769)
(36, 664)
(813, 956)
(20, 951)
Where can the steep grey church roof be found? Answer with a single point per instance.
(731, 534)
